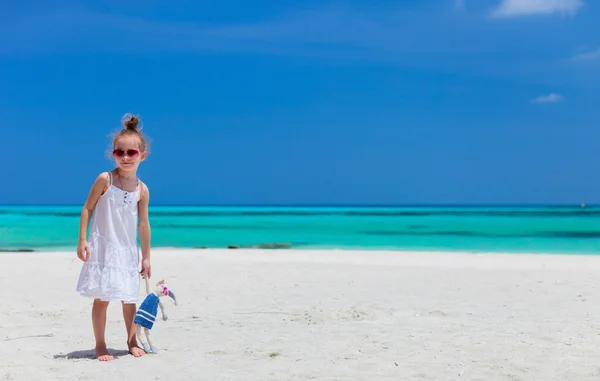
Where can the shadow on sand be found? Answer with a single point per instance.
(90, 354)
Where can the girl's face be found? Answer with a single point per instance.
(127, 153)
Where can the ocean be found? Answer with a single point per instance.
(472, 229)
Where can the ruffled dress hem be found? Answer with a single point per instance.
(109, 283)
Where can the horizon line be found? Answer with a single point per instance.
(342, 205)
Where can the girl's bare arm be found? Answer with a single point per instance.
(99, 187)
(144, 229)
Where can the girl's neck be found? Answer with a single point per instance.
(125, 175)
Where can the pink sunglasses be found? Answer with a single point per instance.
(132, 153)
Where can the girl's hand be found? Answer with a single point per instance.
(146, 270)
(83, 250)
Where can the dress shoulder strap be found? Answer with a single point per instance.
(110, 178)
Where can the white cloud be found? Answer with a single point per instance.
(550, 98)
(511, 8)
(594, 55)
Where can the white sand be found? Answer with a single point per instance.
(318, 315)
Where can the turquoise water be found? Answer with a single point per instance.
(479, 229)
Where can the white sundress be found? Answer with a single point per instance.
(112, 271)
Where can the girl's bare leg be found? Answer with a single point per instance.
(129, 310)
(99, 323)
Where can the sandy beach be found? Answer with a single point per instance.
(316, 315)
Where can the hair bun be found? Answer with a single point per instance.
(131, 123)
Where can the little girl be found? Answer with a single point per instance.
(119, 203)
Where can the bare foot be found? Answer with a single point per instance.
(136, 351)
(102, 353)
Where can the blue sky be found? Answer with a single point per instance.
(280, 102)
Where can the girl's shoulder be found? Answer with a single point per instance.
(143, 186)
(104, 176)
(103, 181)
(144, 190)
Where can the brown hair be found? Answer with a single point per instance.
(131, 129)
